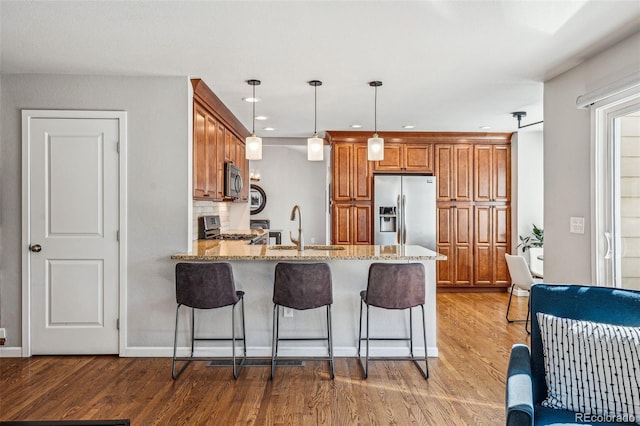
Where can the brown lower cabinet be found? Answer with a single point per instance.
(455, 240)
(351, 223)
(491, 242)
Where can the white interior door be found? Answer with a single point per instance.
(72, 234)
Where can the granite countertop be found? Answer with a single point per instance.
(204, 250)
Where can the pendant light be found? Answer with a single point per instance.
(375, 144)
(253, 144)
(315, 145)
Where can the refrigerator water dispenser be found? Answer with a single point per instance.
(388, 219)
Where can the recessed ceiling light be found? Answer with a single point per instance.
(269, 129)
(261, 117)
(356, 126)
(251, 99)
(408, 126)
(485, 127)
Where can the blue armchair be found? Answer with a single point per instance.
(526, 386)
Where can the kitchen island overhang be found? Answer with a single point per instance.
(253, 269)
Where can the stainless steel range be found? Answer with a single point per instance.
(209, 229)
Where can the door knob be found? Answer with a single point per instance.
(35, 248)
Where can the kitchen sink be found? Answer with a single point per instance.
(309, 247)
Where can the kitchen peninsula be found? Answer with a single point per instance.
(253, 269)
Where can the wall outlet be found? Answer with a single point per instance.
(288, 312)
(3, 335)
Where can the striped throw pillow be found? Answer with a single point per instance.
(591, 368)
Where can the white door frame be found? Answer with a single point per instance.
(27, 115)
(604, 171)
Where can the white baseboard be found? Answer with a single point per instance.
(10, 352)
(254, 352)
(520, 293)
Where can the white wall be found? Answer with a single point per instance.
(159, 197)
(567, 165)
(288, 178)
(528, 182)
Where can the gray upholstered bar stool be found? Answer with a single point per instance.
(302, 286)
(394, 286)
(207, 286)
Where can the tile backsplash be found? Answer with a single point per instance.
(202, 208)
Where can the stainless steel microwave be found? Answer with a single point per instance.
(232, 181)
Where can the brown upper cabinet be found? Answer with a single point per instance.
(206, 183)
(218, 137)
(454, 170)
(229, 147)
(200, 162)
(492, 173)
(406, 157)
(352, 179)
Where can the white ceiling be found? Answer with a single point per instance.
(445, 65)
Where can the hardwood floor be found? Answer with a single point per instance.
(466, 386)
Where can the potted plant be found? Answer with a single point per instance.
(536, 239)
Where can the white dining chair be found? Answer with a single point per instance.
(536, 264)
(521, 278)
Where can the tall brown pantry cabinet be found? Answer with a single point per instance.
(473, 197)
(351, 194)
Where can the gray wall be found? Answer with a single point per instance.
(567, 164)
(158, 187)
(288, 178)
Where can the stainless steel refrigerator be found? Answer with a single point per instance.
(405, 210)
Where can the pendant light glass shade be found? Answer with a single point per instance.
(375, 144)
(253, 147)
(375, 148)
(315, 145)
(315, 148)
(253, 144)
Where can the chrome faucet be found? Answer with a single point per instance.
(299, 242)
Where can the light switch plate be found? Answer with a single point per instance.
(576, 225)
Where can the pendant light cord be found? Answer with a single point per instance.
(315, 110)
(375, 110)
(253, 128)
